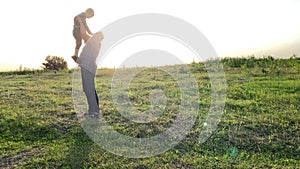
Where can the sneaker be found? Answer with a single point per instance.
(94, 115)
(75, 58)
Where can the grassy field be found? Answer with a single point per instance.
(259, 127)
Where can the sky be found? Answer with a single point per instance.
(34, 29)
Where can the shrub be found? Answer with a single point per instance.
(55, 63)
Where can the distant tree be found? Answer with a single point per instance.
(55, 63)
(294, 56)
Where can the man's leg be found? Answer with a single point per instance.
(88, 83)
(97, 98)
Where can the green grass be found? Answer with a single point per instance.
(259, 127)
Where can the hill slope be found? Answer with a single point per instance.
(259, 127)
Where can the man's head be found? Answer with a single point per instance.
(89, 13)
(99, 36)
(95, 39)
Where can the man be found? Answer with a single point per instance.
(87, 63)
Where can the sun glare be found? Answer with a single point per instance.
(127, 48)
(233, 27)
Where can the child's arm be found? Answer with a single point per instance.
(83, 31)
(83, 22)
(86, 27)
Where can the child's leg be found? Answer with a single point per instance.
(76, 52)
(77, 36)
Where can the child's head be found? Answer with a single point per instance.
(89, 13)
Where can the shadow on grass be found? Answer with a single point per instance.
(78, 155)
(23, 140)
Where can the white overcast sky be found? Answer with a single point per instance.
(33, 29)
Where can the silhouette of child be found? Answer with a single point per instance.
(80, 30)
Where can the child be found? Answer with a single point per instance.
(80, 28)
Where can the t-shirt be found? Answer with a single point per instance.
(83, 20)
(90, 52)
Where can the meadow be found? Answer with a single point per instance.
(259, 127)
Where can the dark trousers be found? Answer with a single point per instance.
(88, 84)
